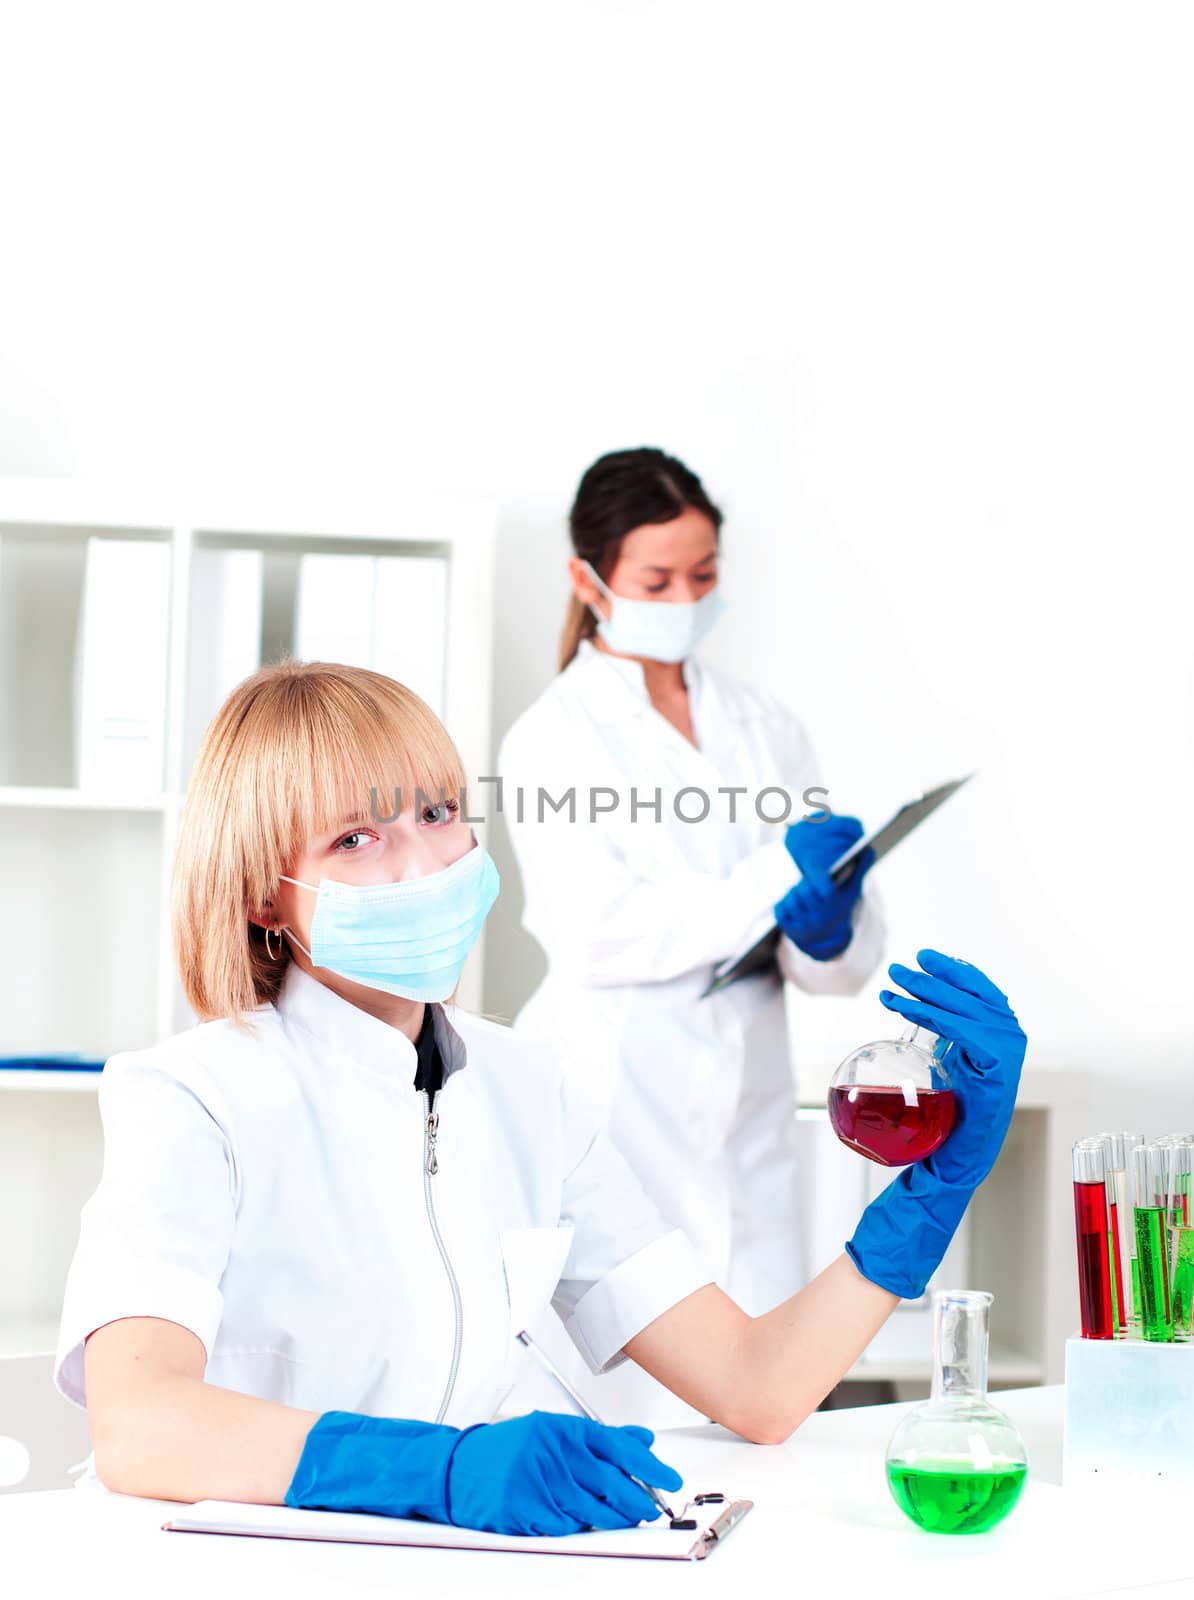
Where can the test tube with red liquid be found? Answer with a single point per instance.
(1119, 1222)
(1093, 1223)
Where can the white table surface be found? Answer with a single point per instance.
(824, 1524)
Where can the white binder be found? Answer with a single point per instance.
(121, 665)
(387, 613)
(227, 589)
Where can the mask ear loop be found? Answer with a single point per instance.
(605, 590)
(314, 888)
(599, 581)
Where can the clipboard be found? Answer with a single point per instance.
(649, 1541)
(759, 954)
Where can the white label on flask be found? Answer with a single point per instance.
(980, 1450)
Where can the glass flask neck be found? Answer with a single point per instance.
(961, 1331)
(922, 1039)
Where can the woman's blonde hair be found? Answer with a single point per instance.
(291, 751)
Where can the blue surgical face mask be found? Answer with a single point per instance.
(410, 939)
(656, 630)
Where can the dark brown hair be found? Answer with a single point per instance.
(618, 493)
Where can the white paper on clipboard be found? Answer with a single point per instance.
(652, 1541)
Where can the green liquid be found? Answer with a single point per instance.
(945, 1496)
(1152, 1252)
(1135, 1312)
(1116, 1297)
(1183, 1283)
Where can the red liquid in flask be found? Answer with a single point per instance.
(882, 1125)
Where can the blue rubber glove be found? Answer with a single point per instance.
(817, 915)
(545, 1473)
(903, 1234)
(541, 1473)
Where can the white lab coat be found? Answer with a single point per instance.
(632, 915)
(270, 1192)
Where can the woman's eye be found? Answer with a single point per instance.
(656, 588)
(347, 845)
(445, 811)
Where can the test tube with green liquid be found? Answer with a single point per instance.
(1183, 1284)
(1179, 1163)
(1152, 1241)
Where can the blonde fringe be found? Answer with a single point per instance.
(291, 749)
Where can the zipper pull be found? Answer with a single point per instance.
(432, 1132)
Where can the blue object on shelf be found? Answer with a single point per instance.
(62, 1061)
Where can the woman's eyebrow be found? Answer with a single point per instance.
(347, 822)
(700, 562)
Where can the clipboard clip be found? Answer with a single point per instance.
(684, 1520)
(717, 1532)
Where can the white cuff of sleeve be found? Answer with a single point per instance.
(637, 1291)
(156, 1289)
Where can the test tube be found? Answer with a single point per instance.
(1127, 1232)
(1113, 1166)
(1149, 1163)
(1183, 1284)
(1180, 1163)
(1181, 1251)
(1092, 1223)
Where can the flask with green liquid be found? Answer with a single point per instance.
(956, 1464)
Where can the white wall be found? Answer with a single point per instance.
(909, 285)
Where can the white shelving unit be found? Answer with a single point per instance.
(86, 871)
(46, 1080)
(1006, 1369)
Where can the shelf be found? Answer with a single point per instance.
(28, 1336)
(45, 1080)
(262, 512)
(34, 799)
(1003, 1367)
(1041, 1089)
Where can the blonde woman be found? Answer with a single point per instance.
(327, 1210)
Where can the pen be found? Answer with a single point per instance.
(586, 1410)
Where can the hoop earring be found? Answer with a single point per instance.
(270, 953)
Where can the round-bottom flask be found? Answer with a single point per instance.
(893, 1101)
(956, 1464)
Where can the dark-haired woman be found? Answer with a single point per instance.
(656, 808)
